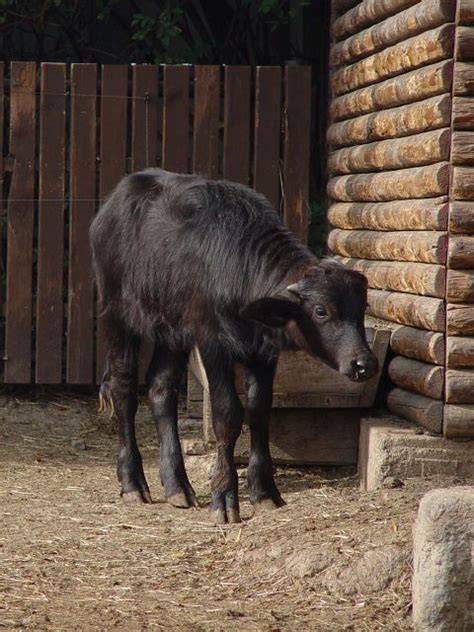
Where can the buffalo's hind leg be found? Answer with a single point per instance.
(227, 417)
(262, 489)
(164, 378)
(118, 392)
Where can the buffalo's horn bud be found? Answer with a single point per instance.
(293, 289)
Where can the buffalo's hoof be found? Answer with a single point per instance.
(269, 504)
(183, 500)
(136, 497)
(229, 516)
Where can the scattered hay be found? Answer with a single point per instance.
(74, 557)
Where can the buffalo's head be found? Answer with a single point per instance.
(323, 313)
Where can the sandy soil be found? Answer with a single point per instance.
(74, 557)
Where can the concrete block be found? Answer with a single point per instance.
(443, 582)
(390, 447)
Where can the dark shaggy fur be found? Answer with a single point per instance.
(186, 261)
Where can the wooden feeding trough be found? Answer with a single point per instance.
(316, 410)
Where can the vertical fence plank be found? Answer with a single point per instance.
(20, 224)
(266, 169)
(176, 118)
(144, 148)
(2, 191)
(49, 302)
(144, 116)
(82, 208)
(206, 120)
(113, 158)
(237, 123)
(297, 125)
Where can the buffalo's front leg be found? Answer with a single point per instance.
(262, 489)
(119, 392)
(227, 417)
(164, 378)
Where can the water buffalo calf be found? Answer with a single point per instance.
(185, 261)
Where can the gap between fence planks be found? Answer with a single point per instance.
(49, 300)
(18, 313)
(113, 156)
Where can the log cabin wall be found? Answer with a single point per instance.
(401, 168)
(459, 409)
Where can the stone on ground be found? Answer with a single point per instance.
(391, 449)
(443, 583)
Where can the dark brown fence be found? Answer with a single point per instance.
(71, 132)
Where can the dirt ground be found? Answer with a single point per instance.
(73, 556)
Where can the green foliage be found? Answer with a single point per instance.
(173, 31)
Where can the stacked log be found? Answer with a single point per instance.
(459, 409)
(391, 151)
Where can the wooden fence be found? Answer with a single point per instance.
(74, 131)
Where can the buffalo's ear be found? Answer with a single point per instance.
(273, 312)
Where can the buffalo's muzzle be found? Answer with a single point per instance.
(363, 368)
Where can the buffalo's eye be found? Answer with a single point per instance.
(320, 311)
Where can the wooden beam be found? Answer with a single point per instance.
(417, 408)
(364, 14)
(464, 43)
(415, 278)
(460, 352)
(463, 113)
(458, 422)
(418, 344)
(426, 15)
(430, 114)
(424, 246)
(461, 217)
(417, 377)
(461, 252)
(410, 87)
(465, 12)
(429, 214)
(421, 182)
(397, 153)
(460, 286)
(426, 48)
(459, 386)
(463, 79)
(462, 152)
(407, 309)
(463, 183)
(460, 319)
